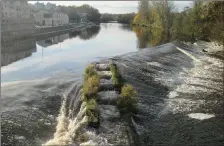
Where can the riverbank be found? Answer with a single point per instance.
(44, 31)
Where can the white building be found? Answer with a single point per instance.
(17, 19)
(47, 15)
(47, 18)
(50, 6)
(39, 6)
(16, 12)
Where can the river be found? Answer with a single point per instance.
(180, 88)
(36, 73)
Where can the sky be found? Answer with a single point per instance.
(115, 7)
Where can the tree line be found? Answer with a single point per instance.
(120, 18)
(93, 14)
(202, 21)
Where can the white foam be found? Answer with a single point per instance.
(173, 94)
(201, 116)
(68, 130)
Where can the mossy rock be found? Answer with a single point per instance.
(91, 85)
(127, 101)
(116, 77)
(90, 71)
(92, 113)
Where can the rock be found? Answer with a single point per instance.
(108, 112)
(204, 50)
(106, 84)
(107, 97)
(103, 67)
(105, 74)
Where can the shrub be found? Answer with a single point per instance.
(90, 71)
(128, 100)
(92, 113)
(91, 104)
(91, 85)
(116, 76)
(84, 98)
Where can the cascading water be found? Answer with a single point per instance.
(71, 127)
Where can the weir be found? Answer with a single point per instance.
(74, 125)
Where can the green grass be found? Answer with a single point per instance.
(116, 77)
(91, 111)
(91, 86)
(90, 71)
(128, 99)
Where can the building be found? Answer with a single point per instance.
(16, 12)
(46, 15)
(50, 6)
(39, 6)
(17, 18)
(49, 18)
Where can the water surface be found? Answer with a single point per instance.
(36, 73)
(30, 59)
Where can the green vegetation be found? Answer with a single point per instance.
(90, 89)
(91, 110)
(203, 21)
(93, 14)
(116, 77)
(121, 18)
(127, 101)
(91, 85)
(90, 71)
(91, 82)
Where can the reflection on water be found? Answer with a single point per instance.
(53, 40)
(33, 59)
(40, 58)
(26, 58)
(147, 37)
(89, 33)
(86, 34)
(16, 50)
(126, 27)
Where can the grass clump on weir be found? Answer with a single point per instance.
(91, 110)
(127, 101)
(90, 71)
(116, 77)
(90, 88)
(91, 85)
(91, 82)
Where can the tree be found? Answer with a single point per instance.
(164, 10)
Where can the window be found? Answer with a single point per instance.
(47, 15)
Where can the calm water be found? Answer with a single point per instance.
(31, 59)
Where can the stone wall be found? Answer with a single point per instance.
(17, 32)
